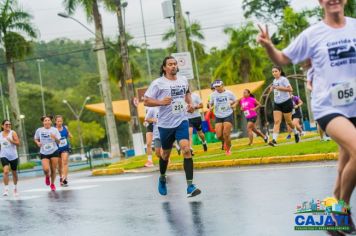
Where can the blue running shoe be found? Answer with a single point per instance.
(193, 191)
(289, 136)
(162, 186)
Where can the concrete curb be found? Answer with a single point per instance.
(112, 171)
(230, 163)
(259, 161)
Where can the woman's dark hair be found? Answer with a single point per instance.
(2, 124)
(46, 116)
(249, 92)
(164, 63)
(280, 70)
(58, 116)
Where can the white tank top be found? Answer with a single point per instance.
(8, 150)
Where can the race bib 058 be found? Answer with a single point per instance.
(343, 94)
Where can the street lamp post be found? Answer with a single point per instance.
(146, 45)
(22, 118)
(77, 117)
(194, 54)
(39, 61)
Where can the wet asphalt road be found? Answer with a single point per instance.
(236, 201)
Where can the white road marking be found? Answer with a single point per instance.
(19, 198)
(107, 179)
(60, 189)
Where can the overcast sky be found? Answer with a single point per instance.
(212, 14)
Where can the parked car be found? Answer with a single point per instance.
(77, 157)
(99, 153)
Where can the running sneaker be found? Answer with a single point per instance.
(297, 137)
(288, 137)
(53, 187)
(205, 147)
(149, 164)
(193, 191)
(272, 143)
(47, 181)
(65, 182)
(6, 193)
(16, 193)
(352, 229)
(266, 139)
(162, 186)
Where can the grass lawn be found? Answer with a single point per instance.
(310, 145)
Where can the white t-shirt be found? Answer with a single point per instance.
(49, 146)
(196, 101)
(222, 103)
(8, 149)
(333, 55)
(281, 96)
(152, 113)
(170, 116)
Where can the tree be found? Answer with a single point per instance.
(92, 133)
(196, 38)
(350, 8)
(265, 10)
(91, 9)
(15, 24)
(241, 61)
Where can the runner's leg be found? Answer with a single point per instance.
(250, 127)
(226, 133)
(53, 166)
(337, 128)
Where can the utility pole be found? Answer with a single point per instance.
(181, 36)
(134, 122)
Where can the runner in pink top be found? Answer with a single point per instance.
(249, 105)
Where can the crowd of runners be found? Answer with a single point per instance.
(173, 111)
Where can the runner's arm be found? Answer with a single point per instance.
(258, 105)
(151, 102)
(15, 139)
(300, 103)
(285, 89)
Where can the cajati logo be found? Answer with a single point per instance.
(328, 214)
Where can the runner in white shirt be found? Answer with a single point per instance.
(283, 104)
(150, 118)
(171, 94)
(8, 153)
(195, 122)
(223, 102)
(331, 46)
(47, 138)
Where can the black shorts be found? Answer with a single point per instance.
(53, 155)
(324, 121)
(196, 123)
(252, 119)
(64, 151)
(13, 164)
(150, 128)
(297, 114)
(230, 119)
(284, 107)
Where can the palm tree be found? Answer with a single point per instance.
(241, 61)
(196, 38)
(15, 24)
(91, 9)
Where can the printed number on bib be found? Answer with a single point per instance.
(48, 146)
(5, 144)
(178, 106)
(246, 113)
(62, 143)
(277, 93)
(343, 94)
(223, 107)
